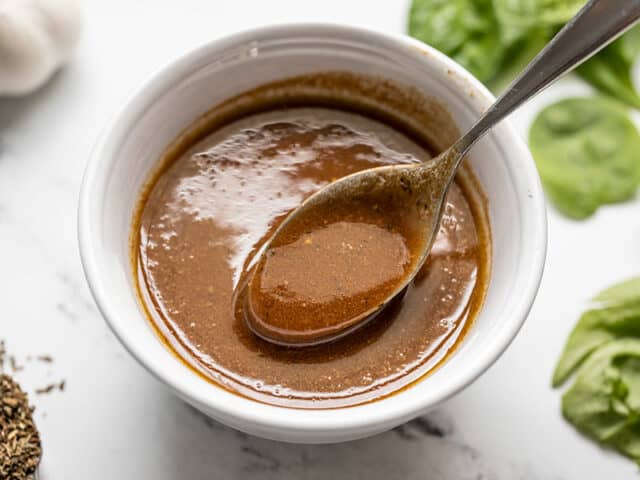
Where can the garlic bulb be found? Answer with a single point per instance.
(36, 38)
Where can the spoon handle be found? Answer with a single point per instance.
(596, 25)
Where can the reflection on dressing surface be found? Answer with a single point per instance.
(207, 216)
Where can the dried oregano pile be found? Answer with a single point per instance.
(20, 448)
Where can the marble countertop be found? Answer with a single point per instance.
(114, 421)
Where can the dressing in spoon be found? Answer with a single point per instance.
(348, 250)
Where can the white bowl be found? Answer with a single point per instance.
(180, 92)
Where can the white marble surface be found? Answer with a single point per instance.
(114, 421)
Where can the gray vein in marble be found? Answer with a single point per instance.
(76, 288)
(4, 148)
(66, 312)
(212, 424)
(425, 448)
(257, 461)
(431, 425)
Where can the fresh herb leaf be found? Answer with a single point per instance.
(495, 39)
(615, 314)
(610, 70)
(465, 30)
(604, 401)
(518, 56)
(588, 154)
(527, 14)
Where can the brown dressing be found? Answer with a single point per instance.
(220, 195)
(327, 269)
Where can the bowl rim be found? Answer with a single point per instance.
(234, 409)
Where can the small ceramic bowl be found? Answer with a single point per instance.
(175, 96)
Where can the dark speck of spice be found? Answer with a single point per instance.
(52, 386)
(14, 364)
(47, 389)
(20, 448)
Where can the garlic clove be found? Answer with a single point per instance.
(36, 37)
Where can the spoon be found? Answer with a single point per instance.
(398, 204)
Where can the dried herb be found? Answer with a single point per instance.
(20, 448)
(14, 364)
(49, 388)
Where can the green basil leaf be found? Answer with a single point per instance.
(615, 314)
(518, 56)
(536, 13)
(495, 39)
(588, 154)
(465, 30)
(629, 44)
(610, 70)
(604, 401)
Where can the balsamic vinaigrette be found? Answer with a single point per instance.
(224, 186)
(328, 269)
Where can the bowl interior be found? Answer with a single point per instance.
(170, 102)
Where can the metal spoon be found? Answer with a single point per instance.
(421, 189)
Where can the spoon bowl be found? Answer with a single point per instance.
(407, 199)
